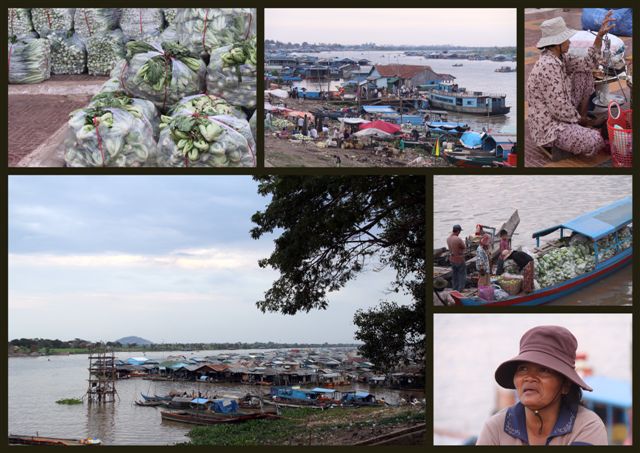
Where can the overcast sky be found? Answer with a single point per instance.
(426, 26)
(166, 258)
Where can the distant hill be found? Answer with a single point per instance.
(131, 340)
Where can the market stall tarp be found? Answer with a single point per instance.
(378, 109)
(353, 121)
(372, 132)
(277, 93)
(383, 126)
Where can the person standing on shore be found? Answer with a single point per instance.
(457, 249)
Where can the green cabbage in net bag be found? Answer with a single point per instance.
(203, 30)
(205, 141)
(93, 22)
(207, 105)
(232, 74)
(68, 53)
(49, 20)
(103, 52)
(137, 107)
(108, 137)
(163, 73)
(139, 23)
(19, 23)
(29, 61)
(253, 123)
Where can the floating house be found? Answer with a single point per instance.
(395, 76)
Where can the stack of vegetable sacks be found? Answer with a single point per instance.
(108, 137)
(203, 133)
(29, 60)
(607, 245)
(232, 73)
(163, 74)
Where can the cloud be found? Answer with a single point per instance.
(203, 259)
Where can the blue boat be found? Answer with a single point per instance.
(611, 399)
(450, 97)
(612, 219)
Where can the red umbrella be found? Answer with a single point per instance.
(390, 128)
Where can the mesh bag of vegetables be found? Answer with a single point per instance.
(104, 51)
(170, 15)
(163, 73)
(108, 137)
(19, 23)
(203, 30)
(68, 53)
(253, 123)
(29, 61)
(207, 105)
(137, 107)
(91, 22)
(169, 34)
(205, 141)
(137, 23)
(48, 20)
(111, 85)
(232, 73)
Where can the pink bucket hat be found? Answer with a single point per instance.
(551, 346)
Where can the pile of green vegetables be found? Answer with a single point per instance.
(108, 137)
(206, 105)
(232, 73)
(49, 20)
(203, 30)
(68, 53)
(170, 15)
(196, 141)
(563, 264)
(103, 52)
(163, 74)
(19, 24)
(139, 108)
(607, 245)
(29, 60)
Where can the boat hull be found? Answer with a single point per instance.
(212, 419)
(546, 295)
(494, 111)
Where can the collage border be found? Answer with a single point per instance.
(428, 173)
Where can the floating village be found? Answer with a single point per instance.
(270, 382)
(385, 114)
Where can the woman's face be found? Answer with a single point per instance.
(564, 47)
(538, 386)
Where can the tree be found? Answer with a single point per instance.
(330, 228)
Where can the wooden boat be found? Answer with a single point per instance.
(505, 69)
(213, 418)
(473, 158)
(449, 97)
(595, 226)
(156, 397)
(150, 403)
(16, 439)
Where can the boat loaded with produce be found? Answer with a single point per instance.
(600, 243)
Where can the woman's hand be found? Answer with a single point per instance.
(607, 24)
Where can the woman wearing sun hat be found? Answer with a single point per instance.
(559, 88)
(549, 392)
(525, 265)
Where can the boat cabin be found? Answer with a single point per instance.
(611, 399)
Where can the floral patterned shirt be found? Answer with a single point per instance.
(550, 93)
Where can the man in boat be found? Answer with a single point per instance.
(505, 244)
(525, 265)
(457, 249)
(559, 88)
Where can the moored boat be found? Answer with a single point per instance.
(213, 418)
(16, 439)
(607, 233)
(450, 97)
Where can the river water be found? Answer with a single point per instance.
(467, 349)
(473, 75)
(36, 383)
(541, 201)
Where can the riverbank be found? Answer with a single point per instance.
(339, 426)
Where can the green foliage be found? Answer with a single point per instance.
(330, 228)
(69, 401)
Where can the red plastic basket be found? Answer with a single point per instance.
(620, 130)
